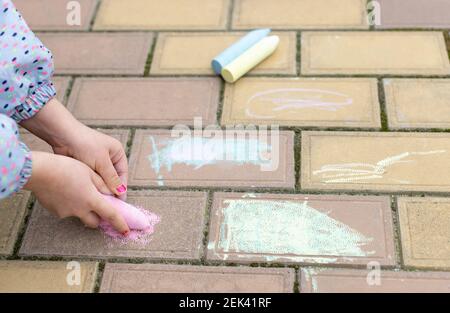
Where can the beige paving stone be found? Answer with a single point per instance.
(371, 53)
(307, 229)
(321, 280)
(36, 144)
(417, 103)
(200, 48)
(96, 53)
(425, 231)
(238, 158)
(53, 277)
(162, 15)
(322, 102)
(12, 212)
(53, 15)
(197, 279)
(390, 162)
(164, 101)
(300, 14)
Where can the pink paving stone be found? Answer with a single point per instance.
(61, 84)
(307, 229)
(178, 235)
(414, 14)
(144, 101)
(36, 144)
(99, 53)
(351, 281)
(198, 279)
(54, 15)
(159, 159)
(12, 212)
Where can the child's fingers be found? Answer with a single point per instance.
(106, 170)
(91, 220)
(100, 184)
(107, 212)
(120, 163)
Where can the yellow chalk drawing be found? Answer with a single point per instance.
(350, 172)
(271, 103)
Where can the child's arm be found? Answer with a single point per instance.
(15, 158)
(26, 67)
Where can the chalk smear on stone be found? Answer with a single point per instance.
(294, 99)
(350, 172)
(285, 229)
(198, 152)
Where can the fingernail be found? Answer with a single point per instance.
(126, 233)
(121, 189)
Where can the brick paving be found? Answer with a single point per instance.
(361, 178)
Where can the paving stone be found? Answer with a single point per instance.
(309, 229)
(300, 14)
(55, 15)
(162, 15)
(322, 102)
(145, 101)
(12, 212)
(238, 158)
(61, 84)
(197, 279)
(391, 162)
(99, 53)
(36, 144)
(38, 276)
(177, 236)
(418, 103)
(200, 48)
(414, 13)
(425, 231)
(371, 53)
(357, 281)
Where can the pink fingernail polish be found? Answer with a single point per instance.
(125, 233)
(121, 189)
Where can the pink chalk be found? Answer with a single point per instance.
(140, 221)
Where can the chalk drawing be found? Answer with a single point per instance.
(350, 172)
(198, 152)
(290, 99)
(285, 229)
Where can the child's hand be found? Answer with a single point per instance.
(68, 187)
(104, 154)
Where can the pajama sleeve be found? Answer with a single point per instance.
(26, 67)
(15, 158)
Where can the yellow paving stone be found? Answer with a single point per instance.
(300, 14)
(376, 161)
(160, 15)
(425, 231)
(402, 53)
(12, 212)
(192, 53)
(418, 103)
(323, 102)
(36, 276)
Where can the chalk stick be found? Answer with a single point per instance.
(250, 58)
(238, 48)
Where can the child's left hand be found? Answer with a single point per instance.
(67, 136)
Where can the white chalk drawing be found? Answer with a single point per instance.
(350, 172)
(198, 152)
(291, 99)
(285, 229)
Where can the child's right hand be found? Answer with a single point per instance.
(68, 187)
